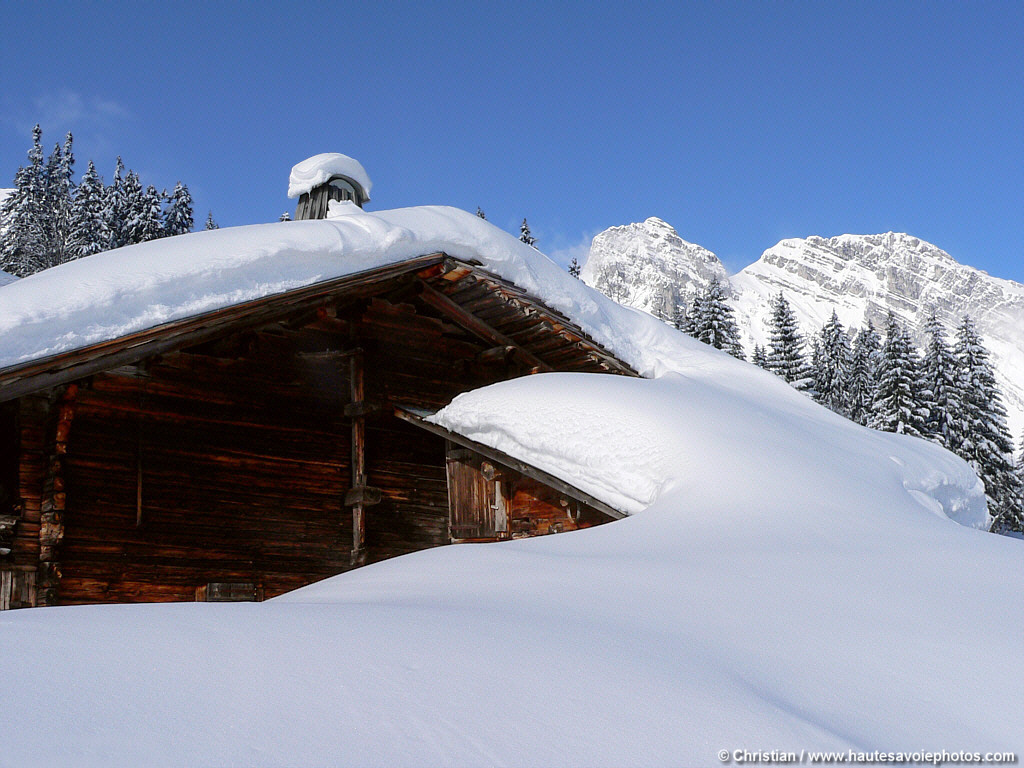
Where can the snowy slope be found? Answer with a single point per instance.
(862, 277)
(796, 581)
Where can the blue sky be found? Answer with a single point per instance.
(738, 123)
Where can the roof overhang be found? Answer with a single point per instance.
(418, 417)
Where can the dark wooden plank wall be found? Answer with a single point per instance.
(245, 458)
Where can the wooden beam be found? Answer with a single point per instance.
(478, 327)
(495, 355)
(494, 455)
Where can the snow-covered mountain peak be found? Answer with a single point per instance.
(649, 266)
(861, 277)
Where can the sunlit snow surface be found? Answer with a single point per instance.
(795, 582)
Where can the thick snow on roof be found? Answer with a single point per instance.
(118, 292)
(794, 581)
(317, 169)
(629, 441)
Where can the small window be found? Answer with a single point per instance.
(229, 592)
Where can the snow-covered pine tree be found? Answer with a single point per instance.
(939, 378)
(832, 366)
(785, 346)
(286, 216)
(525, 236)
(760, 357)
(153, 227)
(574, 268)
(115, 208)
(679, 315)
(862, 382)
(89, 233)
(691, 313)
(136, 209)
(981, 436)
(211, 224)
(23, 213)
(178, 218)
(482, 215)
(57, 203)
(897, 405)
(713, 323)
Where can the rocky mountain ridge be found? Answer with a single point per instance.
(649, 266)
(861, 277)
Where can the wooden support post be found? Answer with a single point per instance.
(54, 500)
(138, 481)
(358, 459)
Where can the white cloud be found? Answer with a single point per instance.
(95, 121)
(579, 251)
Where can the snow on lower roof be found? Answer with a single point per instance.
(317, 169)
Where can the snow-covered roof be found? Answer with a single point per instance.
(317, 169)
(116, 293)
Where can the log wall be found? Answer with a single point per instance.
(230, 462)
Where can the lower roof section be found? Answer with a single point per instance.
(418, 417)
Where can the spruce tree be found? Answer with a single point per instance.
(862, 382)
(981, 436)
(481, 214)
(57, 203)
(211, 224)
(136, 210)
(115, 208)
(679, 319)
(286, 216)
(939, 378)
(89, 233)
(152, 214)
(785, 346)
(574, 268)
(760, 357)
(178, 218)
(897, 406)
(525, 236)
(832, 366)
(713, 323)
(23, 212)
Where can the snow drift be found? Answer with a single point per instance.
(790, 580)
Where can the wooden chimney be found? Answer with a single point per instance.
(313, 204)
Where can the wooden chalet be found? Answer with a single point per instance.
(245, 452)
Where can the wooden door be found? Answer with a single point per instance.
(478, 506)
